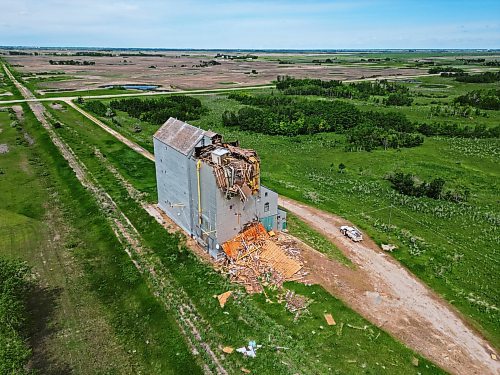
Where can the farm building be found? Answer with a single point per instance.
(210, 188)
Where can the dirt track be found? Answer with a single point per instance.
(384, 292)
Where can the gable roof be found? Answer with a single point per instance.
(179, 135)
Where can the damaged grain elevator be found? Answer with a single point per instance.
(211, 188)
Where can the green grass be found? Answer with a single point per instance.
(432, 241)
(314, 239)
(93, 312)
(247, 318)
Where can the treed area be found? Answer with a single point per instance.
(483, 99)
(156, 111)
(293, 112)
(398, 95)
(280, 115)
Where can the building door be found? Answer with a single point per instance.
(268, 222)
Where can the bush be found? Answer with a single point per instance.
(398, 99)
(407, 184)
(157, 111)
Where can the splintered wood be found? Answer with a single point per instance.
(254, 259)
(296, 303)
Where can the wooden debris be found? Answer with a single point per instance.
(275, 256)
(255, 260)
(228, 350)
(414, 361)
(246, 371)
(296, 303)
(223, 298)
(330, 320)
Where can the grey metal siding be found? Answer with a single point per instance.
(172, 179)
(233, 214)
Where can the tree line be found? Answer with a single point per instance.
(155, 111)
(486, 77)
(283, 115)
(448, 129)
(444, 69)
(71, 62)
(398, 94)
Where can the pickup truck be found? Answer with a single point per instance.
(352, 232)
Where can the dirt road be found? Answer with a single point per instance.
(385, 293)
(134, 146)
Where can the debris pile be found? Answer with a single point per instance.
(236, 170)
(295, 303)
(254, 259)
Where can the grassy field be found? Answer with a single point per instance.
(84, 313)
(453, 247)
(312, 347)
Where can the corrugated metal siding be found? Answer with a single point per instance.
(172, 179)
(233, 214)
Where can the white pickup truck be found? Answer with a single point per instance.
(352, 232)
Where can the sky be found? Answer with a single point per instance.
(259, 24)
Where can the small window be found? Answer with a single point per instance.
(266, 207)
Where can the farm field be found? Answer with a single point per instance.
(173, 71)
(429, 233)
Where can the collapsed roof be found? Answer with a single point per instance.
(236, 170)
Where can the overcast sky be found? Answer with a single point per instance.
(287, 24)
